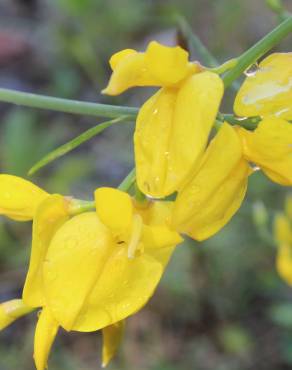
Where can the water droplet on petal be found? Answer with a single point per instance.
(240, 118)
(251, 70)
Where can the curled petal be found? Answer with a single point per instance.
(19, 198)
(112, 336)
(172, 132)
(270, 147)
(269, 90)
(158, 66)
(50, 215)
(114, 208)
(215, 192)
(45, 333)
(11, 311)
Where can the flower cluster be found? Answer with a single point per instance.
(90, 270)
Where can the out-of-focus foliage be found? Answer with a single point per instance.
(221, 304)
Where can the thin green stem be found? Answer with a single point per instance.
(197, 47)
(258, 50)
(128, 181)
(77, 141)
(77, 206)
(65, 105)
(278, 8)
(195, 44)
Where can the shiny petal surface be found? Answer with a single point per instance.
(123, 287)
(114, 208)
(77, 256)
(51, 214)
(269, 90)
(216, 191)
(270, 147)
(172, 131)
(19, 198)
(159, 66)
(112, 336)
(45, 333)
(11, 311)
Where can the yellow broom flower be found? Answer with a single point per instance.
(270, 147)
(173, 126)
(269, 90)
(215, 190)
(92, 270)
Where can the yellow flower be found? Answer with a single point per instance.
(283, 236)
(158, 66)
(119, 258)
(93, 270)
(172, 131)
(19, 198)
(269, 90)
(173, 126)
(270, 147)
(216, 190)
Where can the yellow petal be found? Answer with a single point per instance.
(282, 230)
(269, 90)
(156, 213)
(112, 336)
(120, 56)
(45, 333)
(19, 198)
(11, 311)
(158, 66)
(270, 147)
(169, 65)
(50, 215)
(217, 189)
(159, 237)
(114, 208)
(76, 257)
(123, 288)
(284, 262)
(172, 131)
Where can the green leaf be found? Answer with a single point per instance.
(68, 147)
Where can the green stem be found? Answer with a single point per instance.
(197, 47)
(128, 181)
(195, 44)
(77, 206)
(258, 50)
(65, 105)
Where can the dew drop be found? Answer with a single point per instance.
(240, 118)
(251, 70)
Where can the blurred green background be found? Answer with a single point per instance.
(221, 304)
